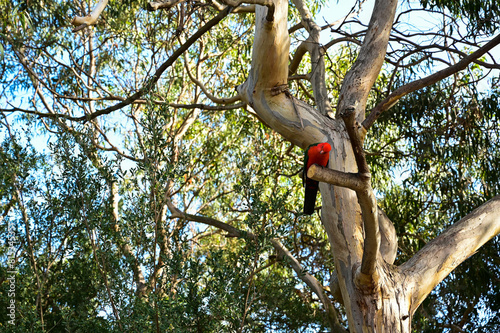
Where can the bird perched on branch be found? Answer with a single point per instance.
(317, 153)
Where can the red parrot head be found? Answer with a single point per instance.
(324, 148)
(318, 154)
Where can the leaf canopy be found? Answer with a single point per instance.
(84, 251)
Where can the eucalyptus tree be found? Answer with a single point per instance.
(168, 196)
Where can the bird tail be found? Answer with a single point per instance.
(310, 197)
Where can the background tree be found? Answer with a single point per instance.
(151, 161)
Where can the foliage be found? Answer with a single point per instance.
(483, 15)
(83, 248)
(442, 152)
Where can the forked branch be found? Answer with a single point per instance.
(361, 183)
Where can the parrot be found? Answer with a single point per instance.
(317, 153)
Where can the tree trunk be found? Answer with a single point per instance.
(378, 296)
(381, 309)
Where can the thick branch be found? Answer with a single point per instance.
(368, 204)
(361, 77)
(85, 21)
(295, 120)
(367, 275)
(334, 177)
(397, 94)
(444, 253)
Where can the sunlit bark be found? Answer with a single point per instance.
(85, 21)
(378, 297)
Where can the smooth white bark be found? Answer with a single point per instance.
(92, 17)
(444, 253)
(398, 291)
